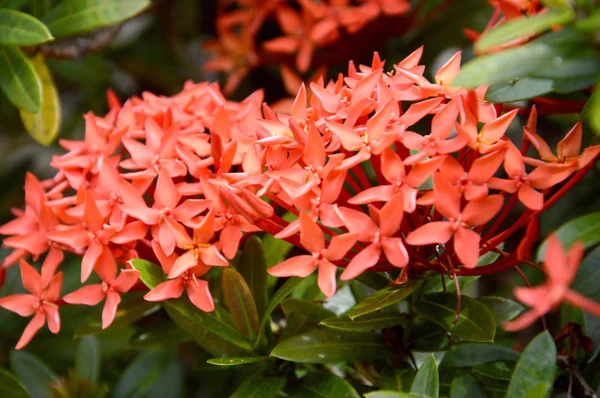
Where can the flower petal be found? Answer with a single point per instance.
(327, 278)
(466, 245)
(364, 260)
(432, 232)
(311, 235)
(32, 328)
(301, 266)
(173, 288)
(200, 296)
(110, 308)
(86, 295)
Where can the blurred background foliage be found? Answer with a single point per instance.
(157, 50)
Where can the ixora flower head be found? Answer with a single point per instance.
(378, 172)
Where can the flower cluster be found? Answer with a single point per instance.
(383, 171)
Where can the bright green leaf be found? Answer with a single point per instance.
(591, 111)
(519, 89)
(536, 366)
(233, 361)
(19, 80)
(253, 268)
(372, 321)
(151, 274)
(502, 309)
(427, 379)
(282, 293)
(383, 298)
(325, 346)
(240, 302)
(260, 386)
(475, 321)
(585, 229)
(44, 125)
(72, 17)
(466, 355)
(87, 361)
(500, 370)
(465, 386)
(35, 375)
(10, 386)
(524, 26)
(326, 385)
(20, 29)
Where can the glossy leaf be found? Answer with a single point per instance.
(535, 368)
(467, 355)
(33, 373)
(465, 386)
(501, 370)
(384, 298)
(127, 313)
(252, 266)
(592, 110)
(314, 311)
(584, 229)
(372, 321)
(525, 26)
(44, 125)
(10, 386)
(519, 89)
(326, 385)
(233, 361)
(475, 321)
(277, 298)
(20, 29)
(427, 379)
(151, 274)
(72, 17)
(87, 362)
(570, 68)
(502, 309)
(426, 336)
(19, 80)
(141, 373)
(325, 346)
(260, 386)
(240, 302)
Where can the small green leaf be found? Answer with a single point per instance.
(536, 366)
(325, 346)
(151, 274)
(282, 293)
(314, 311)
(141, 374)
(524, 26)
(240, 302)
(427, 379)
(19, 80)
(10, 386)
(35, 375)
(502, 309)
(585, 229)
(475, 321)
(372, 321)
(20, 29)
(501, 370)
(233, 361)
(72, 17)
(466, 355)
(87, 362)
(396, 379)
(326, 385)
(519, 89)
(44, 125)
(128, 312)
(383, 298)
(260, 386)
(465, 386)
(253, 268)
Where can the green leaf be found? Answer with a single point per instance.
(519, 89)
(151, 274)
(19, 80)
(475, 321)
(427, 380)
(253, 268)
(585, 229)
(87, 362)
(591, 111)
(326, 385)
(72, 17)
(10, 387)
(536, 366)
(465, 386)
(466, 355)
(142, 373)
(233, 361)
(587, 277)
(240, 302)
(282, 293)
(260, 386)
(44, 125)
(159, 335)
(501, 370)
(13, 4)
(372, 321)
(170, 384)
(275, 249)
(426, 336)
(519, 61)
(570, 68)
(325, 346)
(522, 27)
(393, 394)
(396, 379)
(502, 309)
(128, 312)
(33, 373)
(383, 298)
(314, 311)
(20, 29)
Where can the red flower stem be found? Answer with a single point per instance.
(497, 266)
(2, 276)
(579, 300)
(505, 212)
(281, 203)
(362, 177)
(353, 184)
